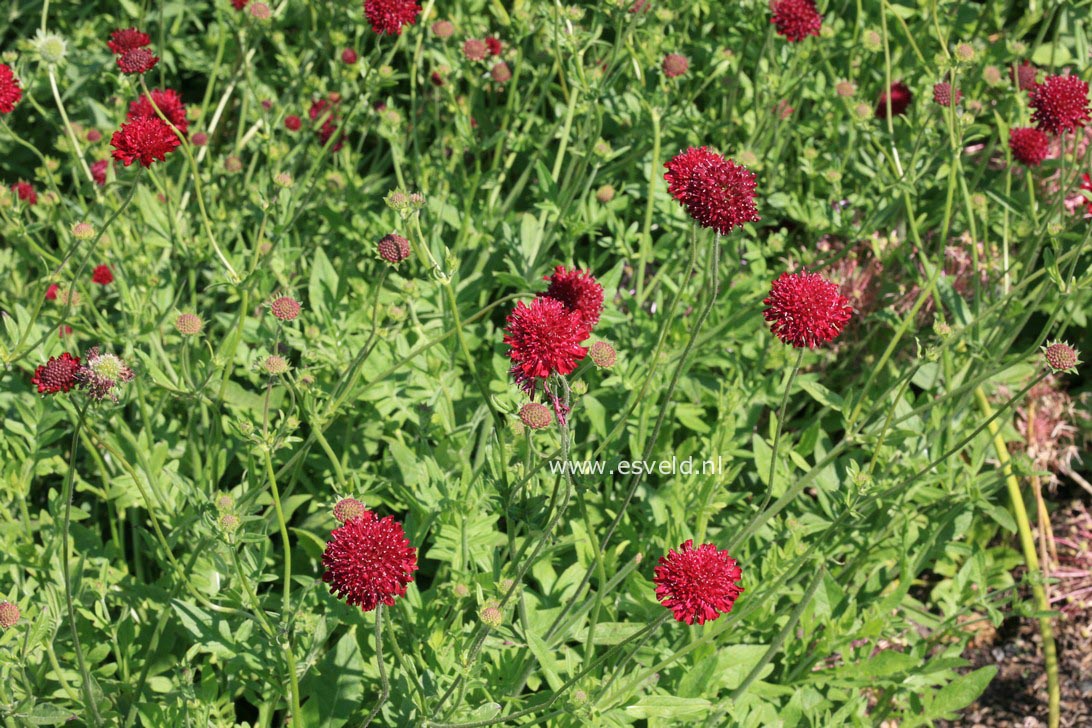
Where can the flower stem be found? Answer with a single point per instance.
(1027, 544)
(385, 686)
(66, 492)
(777, 430)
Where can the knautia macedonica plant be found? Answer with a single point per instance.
(311, 418)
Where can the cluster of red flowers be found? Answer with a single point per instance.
(98, 377)
(1060, 104)
(900, 97)
(130, 46)
(716, 192)
(545, 337)
(323, 113)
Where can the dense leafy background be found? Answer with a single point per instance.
(890, 544)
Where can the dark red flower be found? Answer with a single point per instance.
(144, 139)
(805, 309)
(26, 192)
(545, 339)
(796, 19)
(1029, 145)
(94, 135)
(127, 39)
(675, 65)
(349, 56)
(697, 584)
(168, 101)
(494, 45)
(720, 194)
(369, 561)
(102, 275)
(137, 61)
(681, 167)
(475, 49)
(56, 375)
(1024, 76)
(900, 100)
(579, 291)
(239, 4)
(325, 111)
(1060, 103)
(292, 122)
(10, 91)
(942, 93)
(98, 171)
(388, 16)
(51, 292)
(393, 248)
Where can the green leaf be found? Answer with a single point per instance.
(821, 394)
(961, 692)
(49, 714)
(322, 288)
(668, 706)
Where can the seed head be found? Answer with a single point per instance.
(675, 65)
(229, 523)
(275, 365)
(83, 231)
(491, 614)
(285, 308)
(1061, 357)
(347, 508)
(189, 324)
(605, 194)
(535, 415)
(602, 355)
(9, 614)
(443, 29)
(393, 248)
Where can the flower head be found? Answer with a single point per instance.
(500, 72)
(189, 324)
(127, 39)
(10, 91)
(275, 365)
(1060, 103)
(1024, 76)
(102, 275)
(101, 375)
(347, 508)
(697, 584)
(475, 49)
(681, 167)
(292, 122)
(1029, 145)
(285, 308)
(369, 561)
(98, 171)
(443, 28)
(168, 101)
(25, 192)
(900, 100)
(325, 111)
(51, 47)
(579, 291)
(137, 61)
(51, 292)
(1061, 357)
(544, 339)
(942, 94)
(143, 139)
(675, 65)
(9, 614)
(349, 56)
(602, 355)
(805, 309)
(491, 614)
(393, 248)
(56, 375)
(535, 415)
(388, 16)
(719, 193)
(796, 19)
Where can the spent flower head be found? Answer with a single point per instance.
(1061, 357)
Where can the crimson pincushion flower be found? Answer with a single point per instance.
(10, 92)
(137, 61)
(681, 167)
(579, 291)
(168, 101)
(720, 194)
(805, 309)
(1060, 103)
(126, 39)
(545, 339)
(98, 171)
(369, 561)
(796, 19)
(388, 16)
(56, 375)
(942, 94)
(697, 584)
(26, 192)
(494, 45)
(143, 139)
(900, 100)
(326, 111)
(1024, 75)
(1029, 145)
(102, 275)
(674, 65)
